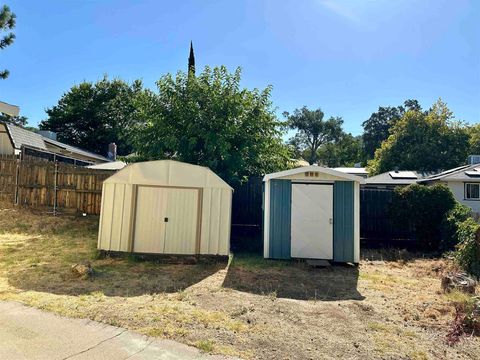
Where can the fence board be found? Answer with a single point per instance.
(42, 184)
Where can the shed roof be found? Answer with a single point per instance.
(114, 165)
(315, 168)
(168, 173)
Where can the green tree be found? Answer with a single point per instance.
(427, 207)
(211, 121)
(474, 141)
(7, 23)
(428, 141)
(347, 151)
(377, 128)
(312, 131)
(16, 120)
(92, 115)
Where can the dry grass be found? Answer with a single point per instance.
(389, 307)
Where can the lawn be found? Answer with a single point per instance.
(391, 306)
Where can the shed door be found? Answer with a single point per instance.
(312, 219)
(166, 220)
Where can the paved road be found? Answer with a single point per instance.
(27, 333)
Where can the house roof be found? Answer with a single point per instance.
(461, 173)
(397, 177)
(114, 165)
(361, 171)
(23, 137)
(9, 109)
(316, 168)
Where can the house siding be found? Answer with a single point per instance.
(457, 188)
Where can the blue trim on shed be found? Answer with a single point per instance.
(343, 221)
(280, 219)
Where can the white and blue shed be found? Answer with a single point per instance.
(312, 212)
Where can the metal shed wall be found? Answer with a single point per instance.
(343, 221)
(117, 220)
(280, 219)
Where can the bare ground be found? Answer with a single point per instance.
(390, 307)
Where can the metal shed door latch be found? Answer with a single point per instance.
(166, 219)
(330, 221)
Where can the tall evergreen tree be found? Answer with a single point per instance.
(191, 60)
(7, 23)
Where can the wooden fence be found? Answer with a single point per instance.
(55, 186)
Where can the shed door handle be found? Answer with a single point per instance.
(330, 221)
(166, 219)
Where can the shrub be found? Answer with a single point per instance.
(426, 207)
(467, 320)
(467, 253)
(455, 217)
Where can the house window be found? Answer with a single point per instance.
(472, 191)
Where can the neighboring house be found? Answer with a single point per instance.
(391, 179)
(357, 171)
(15, 140)
(464, 182)
(9, 109)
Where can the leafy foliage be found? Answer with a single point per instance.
(16, 120)
(209, 120)
(455, 217)
(467, 320)
(7, 23)
(426, 207)
(377, 127)
(467, 253)
(92, 115)
(474, 141)
(313, 131)
(347, 151)
(423, 141)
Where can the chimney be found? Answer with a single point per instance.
(112, 151)
(473, 159)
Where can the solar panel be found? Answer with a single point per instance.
(403, 175)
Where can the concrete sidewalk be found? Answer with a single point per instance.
(28, 333)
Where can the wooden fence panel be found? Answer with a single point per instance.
(42, 184)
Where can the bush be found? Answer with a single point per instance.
(426, 207)
(467, 320)
(467, 253)
(455, 217)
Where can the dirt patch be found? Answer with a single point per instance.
(387, 308)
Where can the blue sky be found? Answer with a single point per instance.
(347, 57)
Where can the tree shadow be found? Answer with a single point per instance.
(114, 277)
(294, 280)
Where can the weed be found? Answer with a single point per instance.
(205, 345)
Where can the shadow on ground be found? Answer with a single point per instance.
(293, 280)
(114, 277)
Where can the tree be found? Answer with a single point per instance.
(474, 141)
(7, 23)
(209, 120)
(347, 151)
(428, 141)
(92, 115)
(191, 60)
(377, 127)
(312, 131)
(16, 120)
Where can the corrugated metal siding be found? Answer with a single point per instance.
(343, 217)
(280, 218)
(115, 217)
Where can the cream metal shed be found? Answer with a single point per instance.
(166, 207)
